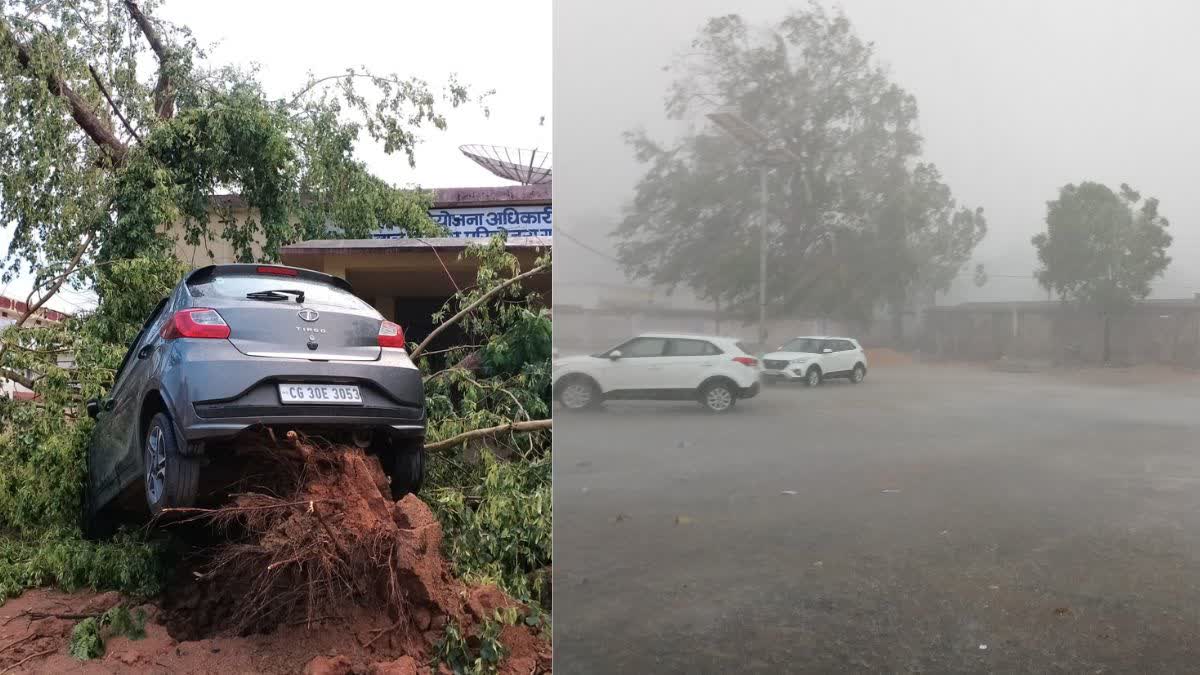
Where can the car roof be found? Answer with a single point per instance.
(822, 337)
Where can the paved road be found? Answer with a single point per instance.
(944, 520)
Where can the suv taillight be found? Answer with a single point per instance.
(391, 335)
(747, 361)
(199, 322)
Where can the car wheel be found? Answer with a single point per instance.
(718, 397)
(858, 374)
(579, 393)
(407, 470)
(171, 480)
(813, 377)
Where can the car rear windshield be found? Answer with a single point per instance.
(805, 345)
(236, 286)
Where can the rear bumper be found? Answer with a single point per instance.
(749, 392)
(217, 392)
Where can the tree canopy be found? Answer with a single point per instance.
(115, 125)
(1102, 248)
(856, 220)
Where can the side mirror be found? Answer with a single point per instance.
(827, 350)
(93, 408)
(614, 354)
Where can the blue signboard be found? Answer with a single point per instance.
(484, 222)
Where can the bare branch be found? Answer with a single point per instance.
(164, 91)
(534, 425)
(112, 104)
(19, 378)
(56, 283)
(94, 127)
(472, 307)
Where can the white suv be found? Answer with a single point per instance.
(714, 371)
(813, 359)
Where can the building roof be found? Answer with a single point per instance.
(1054, 305)
(456, 197)
(687, 336)
(20, 307)
(408, 245)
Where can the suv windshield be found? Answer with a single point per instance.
(806, 345)
(236, 287)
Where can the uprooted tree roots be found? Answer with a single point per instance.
(315, 537)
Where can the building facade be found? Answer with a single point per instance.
(11, 311)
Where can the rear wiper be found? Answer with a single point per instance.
(276, 294)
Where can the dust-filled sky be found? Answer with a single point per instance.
(1016, 99)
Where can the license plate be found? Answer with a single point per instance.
(336, 394)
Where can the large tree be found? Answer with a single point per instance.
(855, 220)
(99, 154)
(1102, 248)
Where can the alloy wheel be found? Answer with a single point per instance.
(718, 398)
(577, 395)
(156, 463)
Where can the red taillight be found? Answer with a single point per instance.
(196, 323)
(391, 335)
(746, 361)
(278, 271)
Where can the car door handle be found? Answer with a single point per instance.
(145, 351)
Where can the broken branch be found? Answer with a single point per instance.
(164, 95)
(91, 125)
(112, 104)
(534, 425)
(472, 307)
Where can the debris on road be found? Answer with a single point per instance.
(683, 520)
(789, 492)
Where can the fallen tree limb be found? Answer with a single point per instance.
(31, 657)
(533, 425)
(472, 307)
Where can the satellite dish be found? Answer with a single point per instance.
(527, 167)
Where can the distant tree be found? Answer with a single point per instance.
(855, 222)
(1102, 248)
(927, 238)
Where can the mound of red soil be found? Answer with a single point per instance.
(319, 571)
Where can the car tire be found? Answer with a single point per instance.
(170, 479)
(858, 374)
(406, 469)
(579, 393)
(813, 377)
(718, 396)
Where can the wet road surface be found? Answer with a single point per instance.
(933, 519)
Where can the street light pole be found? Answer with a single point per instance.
(770, 154)
(762, 264)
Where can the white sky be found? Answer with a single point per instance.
(489, 45)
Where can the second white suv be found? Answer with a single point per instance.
(713, 371)
(814, 359)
